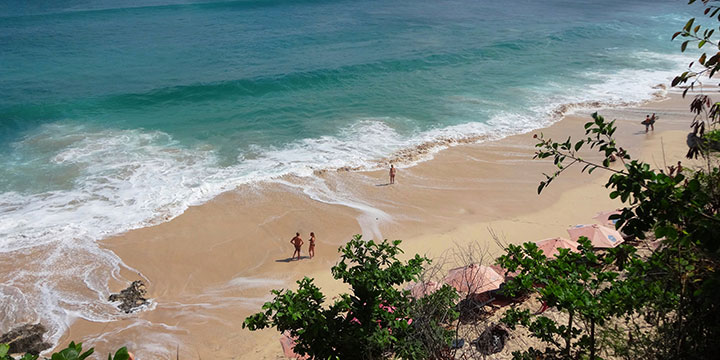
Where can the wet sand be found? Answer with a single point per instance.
(215, 264)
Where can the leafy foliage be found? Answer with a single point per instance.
(72, 352)
(376, 321)
(707, 111)
(584, 285)
(675, 288)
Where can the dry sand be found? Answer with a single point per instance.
(215, 264)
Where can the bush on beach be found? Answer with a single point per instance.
(377, 320)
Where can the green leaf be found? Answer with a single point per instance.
(4, 348)
(121, 354)
(684, 45)
(689, 25)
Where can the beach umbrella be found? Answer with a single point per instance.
(603, 218)
(474, 279)
(504, 272)
(421, 289)
(550, 247)
(288, 344)
(600, 236)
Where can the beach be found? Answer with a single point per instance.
(215, 264)
(184, 142)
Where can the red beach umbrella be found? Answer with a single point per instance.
(474, 279)
(550, 247)
(600, 236)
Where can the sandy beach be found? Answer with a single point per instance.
(216, 263)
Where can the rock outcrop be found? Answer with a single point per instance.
(131, 298)
(26, 338)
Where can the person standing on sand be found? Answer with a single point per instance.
(392, 173)
(311, 249)
(297, 242)
(646, 122)
(652, 122)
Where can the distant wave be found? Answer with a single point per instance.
(162, 5)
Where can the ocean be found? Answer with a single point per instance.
(120, 115)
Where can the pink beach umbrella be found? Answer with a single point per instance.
(288, 344)
(550, 247)
(600, 236)
(421, 289)
(504, 272)
(603, 218)
(474, 279)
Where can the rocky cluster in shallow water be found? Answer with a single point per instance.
(131, 298)
(26, 338)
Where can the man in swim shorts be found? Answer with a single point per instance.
(297, 242)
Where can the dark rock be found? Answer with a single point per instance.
(26, 338)
(457, 343)
(131, 298)
(492, 340)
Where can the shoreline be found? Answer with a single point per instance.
(215, 264)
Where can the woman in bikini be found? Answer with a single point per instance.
(311, 250)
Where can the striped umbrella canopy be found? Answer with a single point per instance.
(601, 237)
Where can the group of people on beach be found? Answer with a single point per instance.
(649, 122)
(297, 241)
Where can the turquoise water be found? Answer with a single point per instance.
(115, 115)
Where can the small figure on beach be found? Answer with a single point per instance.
(311, 249)
(393, 170)
(649, 122)
(675, 170)
(297, 242)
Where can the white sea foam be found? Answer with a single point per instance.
(128, 179)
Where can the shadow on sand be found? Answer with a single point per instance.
(291, 259)
(386, 184)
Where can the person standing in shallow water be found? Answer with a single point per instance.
(392, 174)
(311, 248)
(297, 242)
